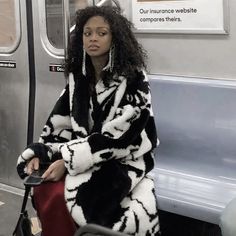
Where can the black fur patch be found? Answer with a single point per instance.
(100, 197)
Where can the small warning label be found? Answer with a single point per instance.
(7, 64)
(56, 68)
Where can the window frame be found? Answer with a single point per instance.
(10, 49)
(52, 50)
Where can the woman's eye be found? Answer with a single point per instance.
(102, 33)
(87, 34)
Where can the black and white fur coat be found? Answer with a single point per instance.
(106, 141)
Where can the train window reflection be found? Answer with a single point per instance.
(54, 19)
(9, 25)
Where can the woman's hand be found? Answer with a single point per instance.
(32, 165)
(55, 171)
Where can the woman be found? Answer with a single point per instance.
(100, 135)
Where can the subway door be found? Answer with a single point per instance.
(49, 55)
(49, 52)
(14, 87)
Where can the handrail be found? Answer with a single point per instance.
(102, 2)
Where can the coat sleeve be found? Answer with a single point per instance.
(128, 134)
(57, 130)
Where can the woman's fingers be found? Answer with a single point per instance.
(32, 165)
(55, 171)
(47, 173)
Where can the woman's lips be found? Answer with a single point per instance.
(93, 47)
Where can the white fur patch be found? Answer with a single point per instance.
(77, 154)
(78, 216)
(71, 86)
(145, 146)
(118, 126)
(26, 155)
(60, 122)
(119, 95)
(138, 205)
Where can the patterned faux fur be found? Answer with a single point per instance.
(106, 141)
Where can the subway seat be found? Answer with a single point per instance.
(195, 163)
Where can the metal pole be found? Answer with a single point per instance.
(66, 25)
(32, 76)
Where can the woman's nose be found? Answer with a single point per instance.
(93, 37)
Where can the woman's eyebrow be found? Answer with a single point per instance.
(99, 27)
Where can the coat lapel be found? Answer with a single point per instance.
(79, 104)
(102, 103)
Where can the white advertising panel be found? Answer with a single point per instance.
(180, 16)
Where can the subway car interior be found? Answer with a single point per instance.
(192, 75)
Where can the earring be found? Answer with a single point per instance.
(110, 63)
(84, 63)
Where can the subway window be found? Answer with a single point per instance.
(51, 14)
(54, 18)
(9, 25)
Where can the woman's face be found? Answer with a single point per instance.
(97, 37)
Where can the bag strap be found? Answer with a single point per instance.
(27, 191)
(25, 199)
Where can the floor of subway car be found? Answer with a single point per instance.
(171, 224)
(10, 206)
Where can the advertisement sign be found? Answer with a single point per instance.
(180, 16)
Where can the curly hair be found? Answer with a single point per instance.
(129, 54)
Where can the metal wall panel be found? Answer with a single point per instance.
(14, 95)
(48, 84)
